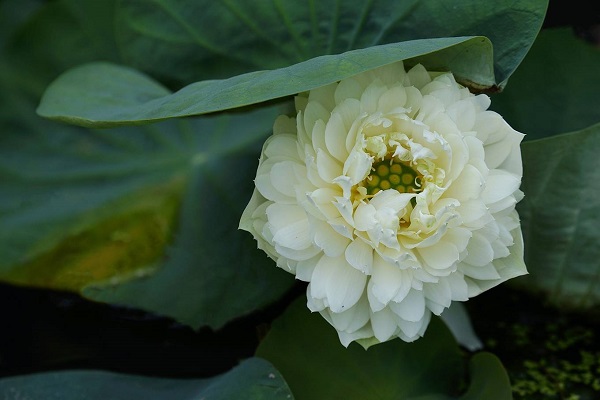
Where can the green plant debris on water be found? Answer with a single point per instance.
(550, 356)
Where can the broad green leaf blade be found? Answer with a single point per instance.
(213, 271)
(144, 217)
(489, 379)
(106, 95)
(556, 89)
(307, 351)
(253, 379)
(191, 40)
(88, 211)
(561, 218)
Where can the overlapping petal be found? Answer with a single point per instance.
(392, 193)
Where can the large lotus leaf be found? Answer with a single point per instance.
(192, 40)
(253, 379)
(561, 218)
(553, 91)
(183, 40)
(125, 216)
(144, 217)
(105, 95)
(307, 352)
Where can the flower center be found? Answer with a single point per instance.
(395, 175)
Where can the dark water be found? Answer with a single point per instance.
(45, 330)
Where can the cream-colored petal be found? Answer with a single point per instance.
(505, 153)
(463, 114)
(384, 324)
(283, 177)
(294, 236)
(414, 100)
(305, 268)
(326, 238)
(323, 199)
(352, 319)
(439, 293)
(360, 255)
(363, 336)
(357, 166)
(418, 76)
(364, 217)
(314, 112)
(318, 136)
(348, 89)
(374, 303)
(342, 227)
(513, 163)
(503, 206)
(405, 285)
(474, 213)
(246, 220)
(441, 255)
(454, 160)
(335, 137)
(434, 307)
(479, 251)
(410, 331)
(485, 272)
(328, 167)
(314, 304)
(459, 237)
(393, 100)
(282, 215)
(345, 286)
(499, 185)
(412, 308)
(385, 280)
(370, 97)
(344, 206)
(265, 187)
(458, 286)
(469, 185)
(392, 199)
(321, 276)
(312, 172)
(500, 249)
(282, 145)
(323, 95)
(487, 124)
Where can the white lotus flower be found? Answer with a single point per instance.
(393, 193)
